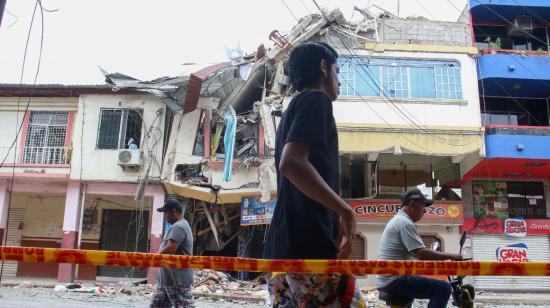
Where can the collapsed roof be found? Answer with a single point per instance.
(243, 81)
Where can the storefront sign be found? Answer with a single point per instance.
(497, 226)
(388, 208)
(515, 227)
(512, 253)
(255, 212)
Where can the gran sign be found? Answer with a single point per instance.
(388, 208)
(512, 253)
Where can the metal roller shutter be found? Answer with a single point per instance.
(119, 232)
(485, 249)
(358, 248)
(14, 234)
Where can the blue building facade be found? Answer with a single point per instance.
(511, 185)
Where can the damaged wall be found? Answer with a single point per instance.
(425, 32)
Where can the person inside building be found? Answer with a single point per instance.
(310, 220)
(132, 144)
(401, 241)
(174, 286)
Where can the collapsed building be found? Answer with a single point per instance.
(220, 140)
(222, 118)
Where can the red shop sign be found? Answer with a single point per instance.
(388, 208)
(497, 226)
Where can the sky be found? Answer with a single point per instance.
(150, 39)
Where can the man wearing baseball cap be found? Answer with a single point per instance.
(401, 241)
(174, 286)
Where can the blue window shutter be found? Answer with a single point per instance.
(367, 80)
(422, 82)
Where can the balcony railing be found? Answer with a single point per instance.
(35, 155)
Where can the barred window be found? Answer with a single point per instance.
(447, 80)
(119, 129)
(45, 138)
(396, 81)
(400, 78)
(347, 79)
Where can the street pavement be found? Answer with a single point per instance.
(39, 297)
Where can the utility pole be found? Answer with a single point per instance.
(2, 7)
(398, 8)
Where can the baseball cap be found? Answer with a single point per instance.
(415, 194)
(170, 205)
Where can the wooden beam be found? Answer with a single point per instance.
(203, 232)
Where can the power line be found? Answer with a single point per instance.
(513, 58)
(509, 55)
(540, 18)
(18, 130)
(509, 22)
(425, 9)
(367, 104)
(403, 114)
(289, 10)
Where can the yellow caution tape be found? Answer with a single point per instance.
(356, 267)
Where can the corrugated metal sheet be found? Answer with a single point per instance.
(13, 238)
(195, 85)
(485, 249)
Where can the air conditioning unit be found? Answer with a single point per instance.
(521, 26)
(129, 158)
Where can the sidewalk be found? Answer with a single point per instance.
(501, 298)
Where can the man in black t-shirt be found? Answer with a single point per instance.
(311, 220)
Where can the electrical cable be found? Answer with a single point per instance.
(509, 22)
(404, 114)
(366, 103)
(289, 10)
(18, 130)
(517, 61)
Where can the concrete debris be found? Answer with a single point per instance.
(209, 282)
(26, 284)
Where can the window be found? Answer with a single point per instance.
(400, 78)
(199, 149)
(119, 129)
(508, 199)
(526, 200)
(45, 138)
(447, 80)
(347, 79)
(395, 80)
(514, 111)
(535, 41)
(430, 239)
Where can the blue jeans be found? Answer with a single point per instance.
(437, 291)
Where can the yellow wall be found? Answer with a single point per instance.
(44, 213)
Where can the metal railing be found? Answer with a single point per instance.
(31, 155)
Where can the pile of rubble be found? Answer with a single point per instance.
(209, 283)
(110, 288)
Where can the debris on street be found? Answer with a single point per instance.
(209, 283)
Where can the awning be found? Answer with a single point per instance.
(208, 195)
(510, 168)
(426, 142)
